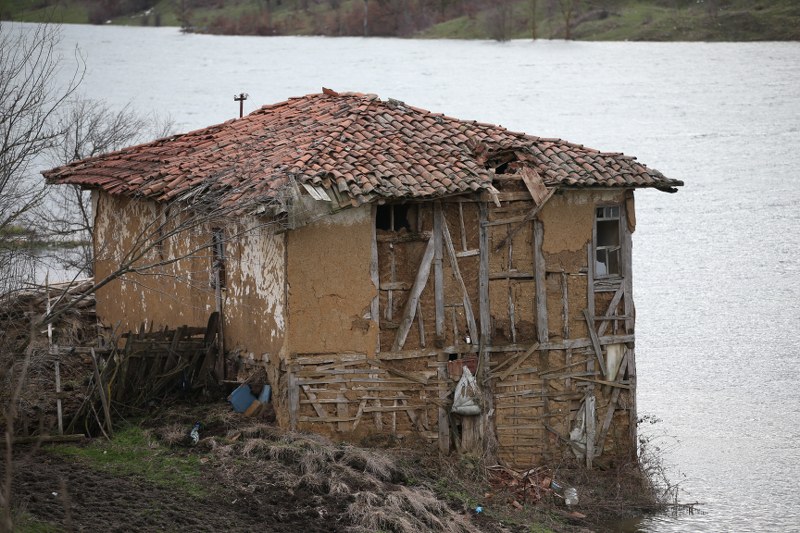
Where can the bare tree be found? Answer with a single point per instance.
(534, 4)
(569, 8)
(88, 128)
(498, 20)
(29, 104)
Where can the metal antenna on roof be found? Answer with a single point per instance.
(241, 97)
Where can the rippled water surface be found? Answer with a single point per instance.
(717, 274)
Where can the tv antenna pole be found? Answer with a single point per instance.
(241, 97)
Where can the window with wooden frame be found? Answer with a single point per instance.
(218, 257)
(396, 217)
(607, 249)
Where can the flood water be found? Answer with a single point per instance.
(717, 269)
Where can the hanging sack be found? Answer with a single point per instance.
(466, 400)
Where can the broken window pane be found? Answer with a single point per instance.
(607, 241)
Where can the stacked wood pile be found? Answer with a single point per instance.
(74, 379)
(27, 350)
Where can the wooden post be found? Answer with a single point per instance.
(483, 281)
(462, 227)
(598, 350)
(374, 309)
(413, 297)
(438, 295)
(294, 398)
(632, 414)
(451, 254)
(103, 399)
(590, 280)
(438, 275)
(541, 283)
(565, 330)
(627, 272)
(483, 374)
(59, 412)
(591, 426)
(53, 352)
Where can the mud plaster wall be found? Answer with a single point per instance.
(254, 300)
(330, 288)
(568, 219)
(181, 293)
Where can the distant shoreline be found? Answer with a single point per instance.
(600, 20)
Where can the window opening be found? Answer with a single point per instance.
(393, 217)
(218, 257)
(607, 243)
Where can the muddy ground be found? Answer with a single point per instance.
(245, 474)
(67, 494)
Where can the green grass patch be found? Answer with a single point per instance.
(25, 523)
(133, 452)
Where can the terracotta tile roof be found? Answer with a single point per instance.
(360, 146)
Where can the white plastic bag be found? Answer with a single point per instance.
(466, 399)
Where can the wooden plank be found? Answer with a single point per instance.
(468, 253)
(397, 238)
(413, 297)
(389, 313)
(359, 413)
(463, 229)
(326, 358)
(377, 416)
(627, 272)
(535, 185)
(590, 428)
(541, 286)
(374, 274)
(511, 274)
(632, 414)
(408, 354)
(603, 382)
(103, 398)
(421, 323)
(483, 280)
(342, 412)
(590, 279)
(438, 274)
(598, 351)
(505, 221)
(294, 399)
(510, 294)
(329, 420)
(395, 286)
(59, 412)
(448, 242)
(505, 196)
(396, 372)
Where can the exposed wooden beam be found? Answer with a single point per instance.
(411, 303)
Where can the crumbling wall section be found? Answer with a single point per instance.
(179, 290)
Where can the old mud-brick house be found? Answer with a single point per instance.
(367, 250)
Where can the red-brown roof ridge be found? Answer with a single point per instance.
(358, 145)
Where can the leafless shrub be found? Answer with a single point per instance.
(403, 511)
(378, 465)
(172, 434)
